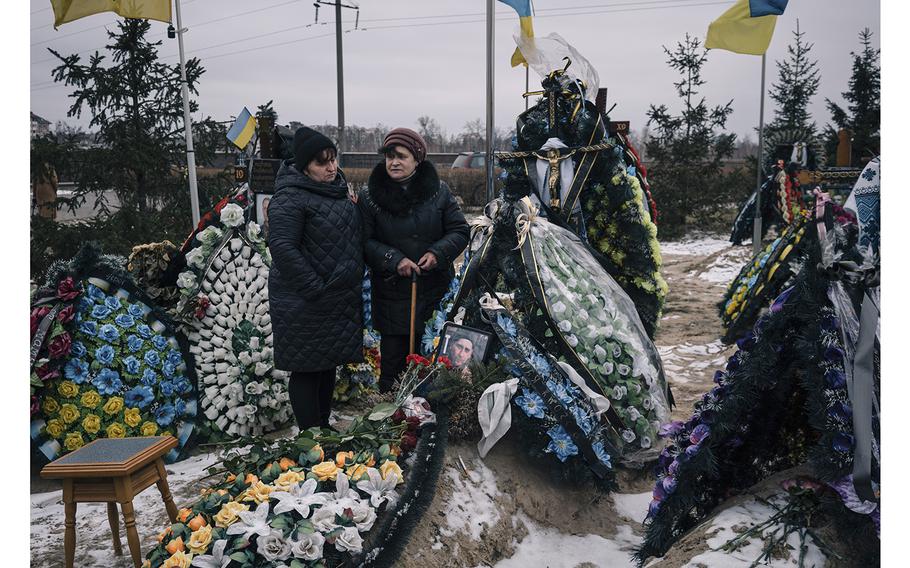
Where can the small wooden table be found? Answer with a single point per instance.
(112, 470)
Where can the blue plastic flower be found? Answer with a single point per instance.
(583, 419)
(108, 333)
(144, 331)
(602, 454)
(699, 433)
(531, 403)
(182, 384)
(159, 342)
(834, 378)
(76, 370)
(149, 378)
(152, 359)
(135, 310)
(89, 328)
(139, 396)
(166, 388)
(133, 343)
(104, 354)
(165, 414)
(100, 311)
(108, 382)
(113, 303)
(125, 321)
(561, 443)
(168, 369)
(631, 171)
(78, 349)
(96, 293)
(180, 407)
(540, 363)
(132, 365)
(174, 357)
(507, 325)
(560, 391)
(83, 304)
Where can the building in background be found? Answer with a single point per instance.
(40, 126)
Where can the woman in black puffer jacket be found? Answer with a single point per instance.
(411, 224)
(316, 279)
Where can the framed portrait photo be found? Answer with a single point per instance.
(262, 212)
(462, 344)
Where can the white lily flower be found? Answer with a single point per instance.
(300, 498)
(217, 559)
(252, 522)
(379, 489)
(344, 495)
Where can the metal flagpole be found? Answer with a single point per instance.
(756, 228)
(340, 76)
(188, 123)
(527, 84)
(489, 145)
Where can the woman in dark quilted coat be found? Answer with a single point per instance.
(411, 224)
(315, 283)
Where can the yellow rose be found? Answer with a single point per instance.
(200, 540)
(227, 516)
(258, 492)
(54, 428)
(69, 413)
(50, 406)
(116, 430)
(342, 457)
(250, 479)
(178, 560)
(131, 417)
(391, 468)
(113, 405)
(68, 389)
(148, 429)
(325, 470)
(356, 471)
(91, 399)
(287, 480)
(73, 441)
(92, 423)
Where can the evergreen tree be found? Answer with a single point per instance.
(863, 112)
(136, 103)
(686, 151)
(797, 82)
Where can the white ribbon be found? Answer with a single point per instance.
(489, 302)
(523, 227)
(599, 401)
(494, 412)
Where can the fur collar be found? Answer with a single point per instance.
(388, 195)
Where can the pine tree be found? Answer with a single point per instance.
(797, 82)
(863, 113)
(687, 150)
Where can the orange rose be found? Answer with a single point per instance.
(372, 461)
(250, 479)
(183, 515)
(394, 450)
(175, 545)
(286, 463)
(196, 523)
(163, 534)
(342, 457)
(231, 478)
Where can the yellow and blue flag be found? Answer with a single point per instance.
(523, 7)
(746, 27)
(242, 130)
(69, 10)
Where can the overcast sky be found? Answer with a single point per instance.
(411, 58)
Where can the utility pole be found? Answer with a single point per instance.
(339, 59)
(490, 88)
(187, 123)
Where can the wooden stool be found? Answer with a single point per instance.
(112, 470)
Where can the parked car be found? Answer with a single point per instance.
(472, 160)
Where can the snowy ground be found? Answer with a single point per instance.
(503, 511)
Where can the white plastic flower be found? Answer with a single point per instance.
(559, 307)
(364, 516)
(232, 215)
(254, 388)
(273, 546)
(349, 540)
(210, 235)
(308, 546)
(253, 231)
(645, 442)
(324, 518)
(627, 435)
(300, 498)
(344, 496)
(196, 258)
(186, 280)
(252, 522)
(217, 559)
(565, 326)
(377, 488)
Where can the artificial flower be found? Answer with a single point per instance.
(356, 472)
(252, 523)
(68, 389)
(378, 488)
(325, 470)
(107, 381)
(69, 413)
(184, 514)
(165, 414)
(342, 457)
(139, 396)
(130, 364)
(51, 406)
(363, 515)
(108, 333)
(60, 346)
(67, 289)
(116, 430)
(148, 429)
(273, 546)
(308, 546)
(391, 468)
(231, 215)
(200, 539)
(531, 403)
(178, 559)
(287, 479)
(113, 405)
(229, 513)
(258, 492)
(285, 463)
(561, 443)
(54, 428)
(349, 540)
(186, 280)
(91, 423)
(323, 519)
(73, 441)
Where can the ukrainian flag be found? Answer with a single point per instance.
(523, 7)
(242, 130)
(746, 27)
(69, 10)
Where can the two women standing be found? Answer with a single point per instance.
(405, 222)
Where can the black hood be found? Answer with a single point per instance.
(290, 177)
(388, 194)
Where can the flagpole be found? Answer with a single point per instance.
(756, 229)
(188, 123)
(489, 144)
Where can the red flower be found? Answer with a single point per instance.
(398, 417)
(35, 405)
(408, 441)
(413, 423)
(36, 317)
(445, 361)
(60, 346)
(415, 358)
(66, 314)
(45, 373)
(66, 289)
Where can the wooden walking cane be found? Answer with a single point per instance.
(413, 308)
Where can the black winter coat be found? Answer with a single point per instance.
(316, 278)
(400, 223)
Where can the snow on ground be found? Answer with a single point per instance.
(552, 548)
(472, 507)
(686, 362)
(695, 246)
(735, 520)
(632, 506)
